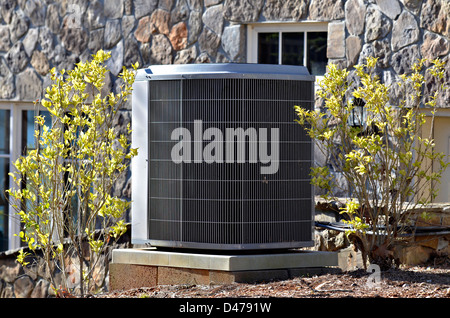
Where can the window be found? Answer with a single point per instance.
(4, 178)
(291, 44)
(16, 139)
(28, 141)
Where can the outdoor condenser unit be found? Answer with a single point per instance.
(222, 164)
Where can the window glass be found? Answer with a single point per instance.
(268, 48)
(28, 142)
(317, 52)
(4, 184)
(28, 128)
(4, 178)
(292, 48)
(4, 131)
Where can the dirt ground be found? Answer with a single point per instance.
(428, 281)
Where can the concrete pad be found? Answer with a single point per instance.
(134, 268)
(230, 262)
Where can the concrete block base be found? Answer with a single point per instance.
(134, 268)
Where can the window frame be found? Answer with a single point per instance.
(10, 221)
(272, 27)
(15, 151)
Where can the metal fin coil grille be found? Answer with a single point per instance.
(229, 205)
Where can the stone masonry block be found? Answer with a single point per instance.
(172, 276)
(128, 276)
(336, 40)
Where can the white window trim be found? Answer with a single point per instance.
(266, 27)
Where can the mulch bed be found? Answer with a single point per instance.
(428, 281)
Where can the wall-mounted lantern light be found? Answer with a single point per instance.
(357, 118)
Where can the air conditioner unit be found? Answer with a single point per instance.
(222, 164)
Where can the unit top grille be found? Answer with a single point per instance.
(224, 70)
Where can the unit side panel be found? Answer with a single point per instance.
(139, 164)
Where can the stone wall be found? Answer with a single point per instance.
(19, 282)
(429, 244)
(36, 35)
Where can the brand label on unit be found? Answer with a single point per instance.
(227, 147)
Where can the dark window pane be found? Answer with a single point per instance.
(4, 178)
(292, 48)
(28, 128)
(268, 48)
(317, 52)
(4, 131)
(4, 184)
